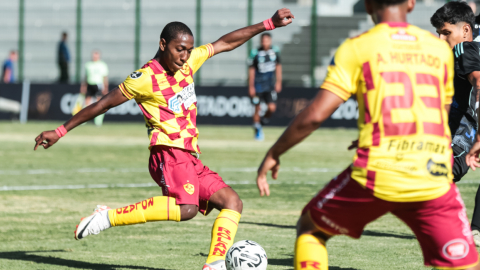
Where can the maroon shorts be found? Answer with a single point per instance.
(440, 225)
(183, 176)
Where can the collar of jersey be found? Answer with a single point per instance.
(396, 24)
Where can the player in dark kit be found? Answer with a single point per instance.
(264, 80)
(455, 23)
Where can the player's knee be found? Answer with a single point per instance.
(234, 203)
(188, 211)
(305, 225)
(272, 107)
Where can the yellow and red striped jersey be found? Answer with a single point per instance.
(402, 77)
(168, 101)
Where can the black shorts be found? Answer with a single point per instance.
(460, 167)
(267, 97)
(93, 91)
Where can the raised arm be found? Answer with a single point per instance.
(112, 99)
(232, 40)
(307, 121)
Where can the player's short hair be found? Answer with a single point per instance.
(453, 12)
(173, 29)
(265, 35)
(388, 2)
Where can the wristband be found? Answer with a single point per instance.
(269, 24)
(477, 105)
(61, 131)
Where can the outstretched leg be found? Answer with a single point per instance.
(160, 208)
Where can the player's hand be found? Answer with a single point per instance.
(278, 87)
(282, 17)
(46, 139)
(354, 145)
(270, 163)
(251, 91)
(472, 159)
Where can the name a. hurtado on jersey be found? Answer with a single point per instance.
(407, 58)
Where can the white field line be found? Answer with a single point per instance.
(137, 170)
(140, 185)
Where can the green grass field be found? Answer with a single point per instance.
(36, 226)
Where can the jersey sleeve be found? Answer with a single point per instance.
(448, 77)
(467, 58)
(137, 85)
(199, 56)
(343, 72)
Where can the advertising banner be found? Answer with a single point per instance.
(216, 105)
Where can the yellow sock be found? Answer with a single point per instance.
(310, 253)
(154, 209)
(223, 234)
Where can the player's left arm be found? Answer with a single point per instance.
(307, 121)
(232, 40)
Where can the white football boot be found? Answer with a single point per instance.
(216, 265)
(95, 223)
(476, 237)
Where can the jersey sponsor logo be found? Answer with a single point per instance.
(189, 188)
(456, 249)
(402, 35)
(136, 75)
(186, 97)
(437, 169)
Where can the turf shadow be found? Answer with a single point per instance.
(24, 256)
(381, 234)
(270, 225)
(289, 262)
(367, 233)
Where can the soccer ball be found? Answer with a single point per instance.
(246, 254)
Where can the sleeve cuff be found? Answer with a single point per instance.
(210, 50)
(124, 91)
(337, 90)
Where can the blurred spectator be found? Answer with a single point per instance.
(264, 81)
(63, 58)
(8, 75)
(95, 84)
(473, 6)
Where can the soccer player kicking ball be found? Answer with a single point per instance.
(164, 90)
(454, 23)
(402, 77)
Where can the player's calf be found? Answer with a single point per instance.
(225, 227)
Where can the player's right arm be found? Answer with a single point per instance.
(112, 99)
(340, 83)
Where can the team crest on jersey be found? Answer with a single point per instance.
(136, 75)
(456, 249)
(189, 188)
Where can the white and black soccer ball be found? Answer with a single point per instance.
(246, 255)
